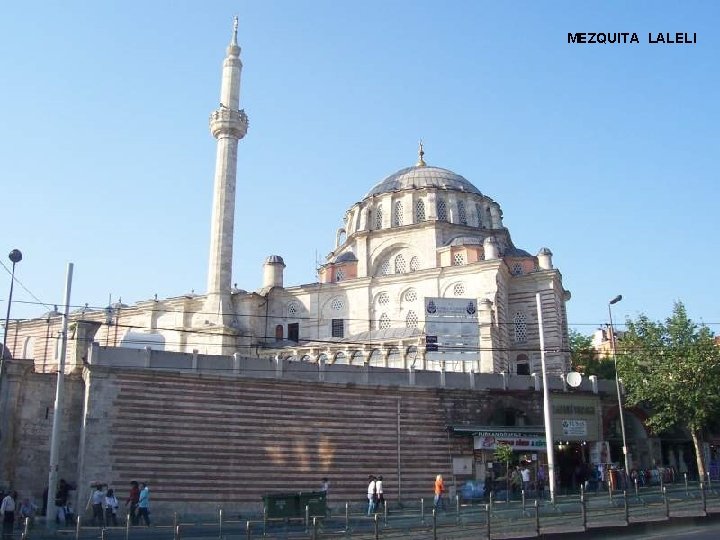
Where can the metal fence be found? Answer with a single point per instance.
(524, 517)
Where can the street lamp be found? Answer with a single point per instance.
(15, 257)
(617, 386)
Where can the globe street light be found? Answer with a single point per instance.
(617, 386)
(15, 256)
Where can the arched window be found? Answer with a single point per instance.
(522, 365)
(411, 295)
(479, 212)
(375, 358)
(414, 264)
(384, 322)
(462, 216)
(458, 289)
(520, 327)
(419, 211)
(398, 217)
(278, 332)
(394, 358)
(385, 268)
(378, 217)
(383, 299)
(29, 349)
(441, 210)
(411, 321)
(400, 267)
(517, 269)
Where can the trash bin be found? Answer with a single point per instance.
(316, 500)
(282, 505)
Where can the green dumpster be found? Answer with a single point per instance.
(315, 500)
(283, 505)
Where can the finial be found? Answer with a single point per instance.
(421, 153)
(235, 28)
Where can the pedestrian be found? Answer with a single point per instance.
(27, 511)
(97, 497)
(540, 481)
(111, 508)
(515, 481)
(7, 508)
(144, 505)
(371, 495)
(325, 486)
(61, 502)
(439, 501)
(525, 475)
(379, 490)
(132, 502)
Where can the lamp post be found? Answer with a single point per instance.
(15, 257)
(617, 386)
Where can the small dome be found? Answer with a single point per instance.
(274, 259)
(466, 241)
(545, 251)
(348, 256)
(419, 177)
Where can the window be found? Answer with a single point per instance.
(520, 322)
(462, 216)
(383, 299)
(458, 289)
(517, 269)
(378, 217)
(411, 321)
(400, 264)
(522, 365)
(398, 217)
(479, 212)
(410, 295)
(458, 259)
(414, 264)
(294, 332)
(337, 304)
(338, 328)
(340, 274)
(384, 322)
(385, 268)
(419, 211)
(279, 332)
(441, 210)
(293, 309)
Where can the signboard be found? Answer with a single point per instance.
(451, 325)
(574, 427)
(489, 440)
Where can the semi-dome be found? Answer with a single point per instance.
(423, 176)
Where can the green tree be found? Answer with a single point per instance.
(673, 368)
(504, 454)
(584, 358)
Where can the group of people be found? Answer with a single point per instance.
(105, 505)
(376, 498)
(13, 511)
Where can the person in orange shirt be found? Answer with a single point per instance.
(439, 490)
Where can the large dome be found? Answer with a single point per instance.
(423, 176)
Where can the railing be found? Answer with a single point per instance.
(526, 517)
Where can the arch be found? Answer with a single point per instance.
(398, 214)
(384, 322)
(375, 358)
(340, 237)
(340, 358)
(323, 359)
(306, 358)
(394, 359)
(28, 351)
(357, 358)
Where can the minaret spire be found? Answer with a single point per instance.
(421, 153)
(228, 124)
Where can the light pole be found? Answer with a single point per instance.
(15, 257)
(617, 386)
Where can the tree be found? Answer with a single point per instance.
(584, 357)
(504, 453)
(673, 368)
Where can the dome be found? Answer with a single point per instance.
(423, 176)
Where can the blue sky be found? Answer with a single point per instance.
(606, 154)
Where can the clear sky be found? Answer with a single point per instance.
(606, 154)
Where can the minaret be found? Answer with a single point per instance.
(228, 124)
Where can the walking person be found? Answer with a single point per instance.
(371, 495)
(97, 497)
(7, 508)
(132, 502)
(61, 502)
(540, 482)
(379, 490)
(144, 505)
(111, 508)
(525, 475)
(439, 501)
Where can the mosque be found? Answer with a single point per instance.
(422, 273)
(420, 339)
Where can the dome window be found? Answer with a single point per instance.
(384, 322)
(517, 269)
(411, 321)
(414, 264)
(340, 274)
(458, 259)
(441, 210)
(458, 289)
(400, 267)
(398, 217)
(378, 217)
(462, 215)
(419, 211)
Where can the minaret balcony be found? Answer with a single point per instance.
(228, 122)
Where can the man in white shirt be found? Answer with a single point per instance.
(7, 508)
(372, 495)
(525, 473)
